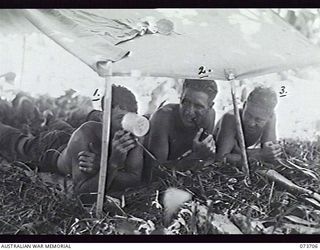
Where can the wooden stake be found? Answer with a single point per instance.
(23, 59)
(107, 73)
(244, 158)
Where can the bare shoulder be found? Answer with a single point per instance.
(164, 114)
(167, 109)
(81, 137)
(228, 119)
(90, 125)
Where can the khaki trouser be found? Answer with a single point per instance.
(42, 150)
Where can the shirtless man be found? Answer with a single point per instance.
(178, 128)
(79, 154)
(259, 125)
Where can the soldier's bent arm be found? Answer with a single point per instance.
(157, 143)
(269, 131)
(117, 179)
(226, 140)
(130, 176)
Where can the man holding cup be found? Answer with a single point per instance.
(125, 156)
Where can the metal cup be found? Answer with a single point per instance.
(136, 124)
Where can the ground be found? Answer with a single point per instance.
(221, 202)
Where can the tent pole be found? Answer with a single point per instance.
(244, 158)
(107, 74)
(23, 59)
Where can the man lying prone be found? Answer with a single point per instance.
(259, 127)
(79, 153)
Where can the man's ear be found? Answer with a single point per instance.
(272, 114)
(211, 104)
(181, 95)
(244, 104)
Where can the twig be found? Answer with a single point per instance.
(271, 193)
(15, 227)
(248, 205)
(201, 186)
(281, 216)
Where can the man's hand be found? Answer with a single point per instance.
(122, 143)
(89, 161)
(270, 151)
(203, 149)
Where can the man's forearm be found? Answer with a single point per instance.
(120, 179)
(232, 158)
(235, 158)
(123, 180)
(87, 185)
(189, 162)
(254, 154)
(182, 165)
(111, 174)
(116, 181)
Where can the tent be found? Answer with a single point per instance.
(219, 44)
(123, 34)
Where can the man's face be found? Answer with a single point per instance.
(194, 105)
(116, 117)
(26, 110)
(254, 117)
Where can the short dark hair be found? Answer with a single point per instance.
(18, 97)
(207, 86)
(124, 98)
(263, 96)
(94, 115)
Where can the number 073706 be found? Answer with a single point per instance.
(310, 246)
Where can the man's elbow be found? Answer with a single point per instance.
(220, 156)
(228, 158)
(81, 188)
(84, 183)
(136, 179)
(133, 179)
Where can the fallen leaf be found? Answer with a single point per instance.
(298, 220)
(221, 224)
(247, 225)
(172, 200)
(124, 227)
(300, 229)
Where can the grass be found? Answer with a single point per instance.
(221, 202)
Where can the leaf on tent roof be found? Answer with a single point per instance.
(165, 26)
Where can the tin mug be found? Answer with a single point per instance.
(136, 124)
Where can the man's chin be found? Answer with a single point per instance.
(251, 130)
(189, 123)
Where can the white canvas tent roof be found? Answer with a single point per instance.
(250, 42)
